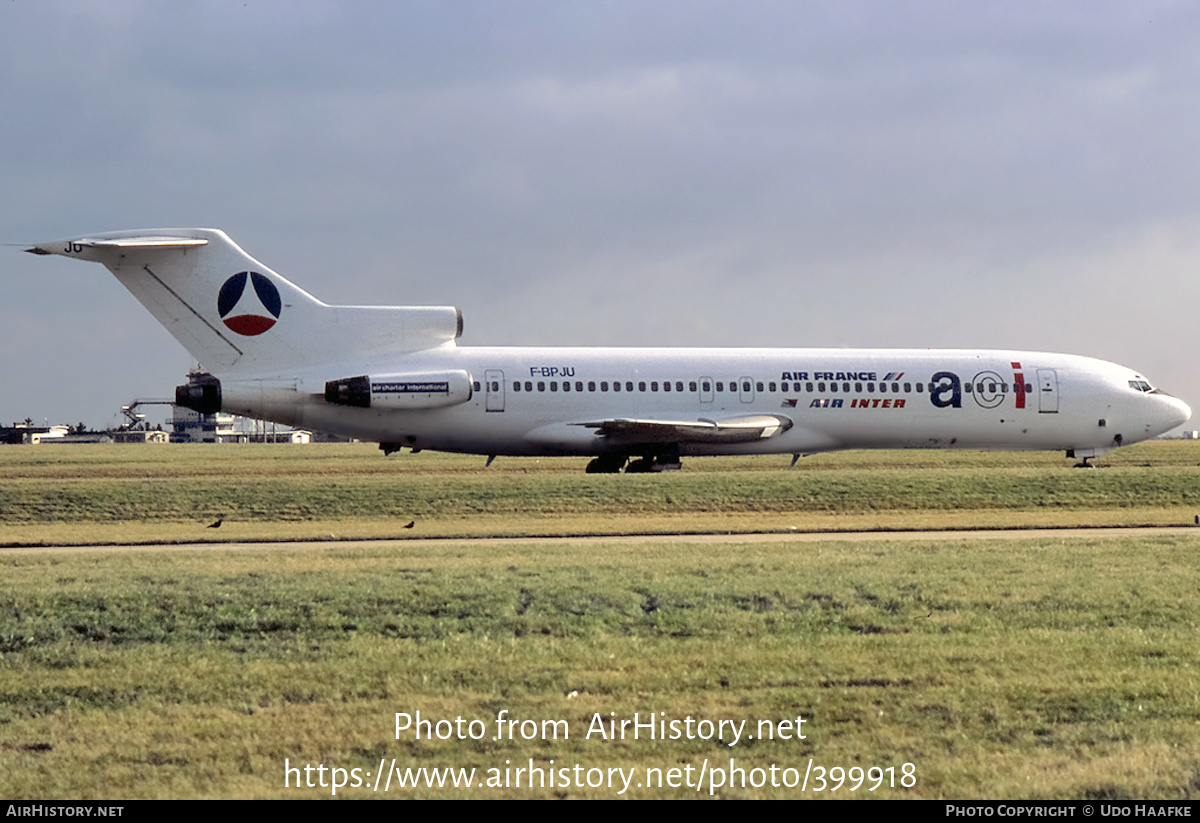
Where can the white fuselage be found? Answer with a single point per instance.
(533, 401)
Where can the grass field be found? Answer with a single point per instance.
(90, 495)
(1055, 667)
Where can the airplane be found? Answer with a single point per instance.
(397, 375)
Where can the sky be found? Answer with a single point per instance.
(1016, 175)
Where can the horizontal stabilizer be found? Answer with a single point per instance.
(146, 242)
(153, 242)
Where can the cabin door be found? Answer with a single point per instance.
(493, 381)
(1047, 391)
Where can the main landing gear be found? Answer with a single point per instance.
(656, 463)
(606, 464)
(613, 463)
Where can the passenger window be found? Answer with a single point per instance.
(720, 386)
(603, 385)
(616, 385)
(820, 387)
(771, 386)
(592, 385)
(541, 385)
(870, 388)
(528, 386)
(629, 385)
(706, 385)
(807, 387)
(476, 385)
(579, 385)
(679, 385)
(895, 388)
(517, 386)
(641, 386)
(566, 385)
(758, 386)
(858, 388)
(907, 388)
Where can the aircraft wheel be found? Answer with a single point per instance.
(606, 464)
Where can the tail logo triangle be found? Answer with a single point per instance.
(249, 312)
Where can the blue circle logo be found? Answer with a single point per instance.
(249, 312)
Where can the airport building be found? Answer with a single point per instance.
(28, 434)
(189, 426)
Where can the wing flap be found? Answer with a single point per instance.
(745, 429)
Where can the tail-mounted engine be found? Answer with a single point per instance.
(426, 390)
(202, 393)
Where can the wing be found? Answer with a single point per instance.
(704, 430)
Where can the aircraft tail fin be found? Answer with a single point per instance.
(235, 315)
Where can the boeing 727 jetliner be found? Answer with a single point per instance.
(396, 375)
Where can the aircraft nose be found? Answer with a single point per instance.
(1172, 412)
(1180, 411)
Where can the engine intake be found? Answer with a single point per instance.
(202, 393)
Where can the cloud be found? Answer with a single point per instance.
(850, 173)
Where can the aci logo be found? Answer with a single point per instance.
(249, 312)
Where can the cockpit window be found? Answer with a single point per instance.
(1140, 385)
